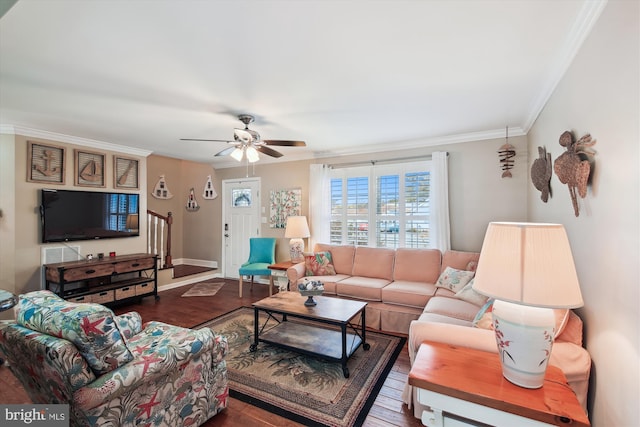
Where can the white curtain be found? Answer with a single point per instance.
(319, 204)
(440, 227)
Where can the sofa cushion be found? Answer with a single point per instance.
(417, 265)
(364, 288)
(454, 279)
(341, 255)
(411, 294)
(452, 307)
(319, 264)
(90, 327)
(329, 282)
(468, 294)
(374, 262)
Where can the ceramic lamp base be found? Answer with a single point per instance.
(524, 336)
(296, 250)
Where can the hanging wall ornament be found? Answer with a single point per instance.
(541, 171)
(573, 167)
(161, 191)
(209, 192)
(192, 204)
(506, 154)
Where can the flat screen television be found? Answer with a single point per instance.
(68, 215)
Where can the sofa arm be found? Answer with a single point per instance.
(161, 352)
(296, 272)
(463, 336)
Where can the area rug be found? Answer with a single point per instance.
(305, 389)
(204, 289)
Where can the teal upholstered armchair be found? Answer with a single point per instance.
(262, 253)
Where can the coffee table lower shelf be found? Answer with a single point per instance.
(313, 340)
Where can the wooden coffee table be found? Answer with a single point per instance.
(309, 337)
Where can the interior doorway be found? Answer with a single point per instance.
(240, 221)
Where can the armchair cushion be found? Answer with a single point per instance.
(91, 328)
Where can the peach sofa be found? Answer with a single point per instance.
(400, 289)
(396, 291)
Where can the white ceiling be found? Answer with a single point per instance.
(344, 76)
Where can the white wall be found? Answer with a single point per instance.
(600, 95)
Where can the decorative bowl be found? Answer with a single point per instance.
(310, 289)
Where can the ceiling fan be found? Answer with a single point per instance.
(247, 143)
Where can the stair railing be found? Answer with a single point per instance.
(156, 225)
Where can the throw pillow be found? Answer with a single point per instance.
(453, 279)
(483, 319)
(468, 294)
(319, 264)
(92, 328)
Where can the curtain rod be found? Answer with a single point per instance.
(374, 162)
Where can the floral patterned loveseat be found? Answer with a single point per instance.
(112, 370)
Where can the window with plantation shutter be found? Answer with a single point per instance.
(381, 206)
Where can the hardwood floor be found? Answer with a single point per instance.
(388, 409)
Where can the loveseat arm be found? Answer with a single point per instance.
(295, 273)
(165, 357)
(49, 368)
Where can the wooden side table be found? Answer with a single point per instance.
(279, 271)
(463, 386)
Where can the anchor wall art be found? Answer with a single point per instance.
(46, 163)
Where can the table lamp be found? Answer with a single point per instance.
(528, 268)
(296, 230)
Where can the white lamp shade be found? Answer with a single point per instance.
(297, 227)
(528, 264)
(252, 154)
(237, 154)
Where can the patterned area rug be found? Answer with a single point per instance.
(204, 289)
(305, 389)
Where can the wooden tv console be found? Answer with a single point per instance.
(105, 281)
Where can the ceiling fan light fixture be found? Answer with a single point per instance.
(237, 154)
(252, 154)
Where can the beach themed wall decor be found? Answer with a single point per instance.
(574, 166)
(89, 169)
(192, 204)
(45, 163)
(161, 190)
(209, 192)
(541, 171)
(282, 204)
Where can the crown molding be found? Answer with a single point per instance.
(581, 28)
(85, 142)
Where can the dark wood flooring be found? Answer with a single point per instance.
(388, 409)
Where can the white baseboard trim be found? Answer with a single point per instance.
(196, 262)
(189, 281)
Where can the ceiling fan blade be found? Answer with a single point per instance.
(284, 143)
(268, 151)
(208, 140)
(225, 152)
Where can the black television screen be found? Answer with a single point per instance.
(86, 215)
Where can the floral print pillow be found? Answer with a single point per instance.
(92, 328)
(319, 264)
(453, 279)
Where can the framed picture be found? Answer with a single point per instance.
(45, 163)
(125, 172)
(89, 169)
(282, 204)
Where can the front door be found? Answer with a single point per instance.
(240, 222)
